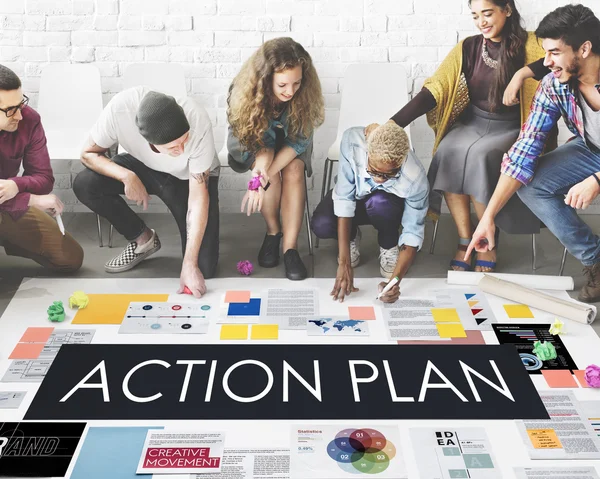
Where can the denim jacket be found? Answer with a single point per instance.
(354, 183)
(243, 159)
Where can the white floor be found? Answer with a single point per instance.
(29, 304)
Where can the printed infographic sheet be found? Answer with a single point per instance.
(454, 453)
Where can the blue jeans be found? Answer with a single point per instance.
(555, 174)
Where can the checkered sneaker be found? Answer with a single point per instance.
(132, 255)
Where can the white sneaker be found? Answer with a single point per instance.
(387, 261)
(354, 249)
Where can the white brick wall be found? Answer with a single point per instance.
(211, 38)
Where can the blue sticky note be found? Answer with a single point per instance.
(245, 309)
(111, 452)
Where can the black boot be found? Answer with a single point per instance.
(294, 267)
(268, 256)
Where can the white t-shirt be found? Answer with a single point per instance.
(116, 125)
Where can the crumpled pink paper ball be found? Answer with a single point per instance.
(254, 184)
(592, 376)
(245, 267)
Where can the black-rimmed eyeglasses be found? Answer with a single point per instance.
(12, 110)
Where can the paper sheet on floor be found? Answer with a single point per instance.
(556, 472)
(463, 452)
(176, 452)
(566, 435)
(11, 400)
(471, 304)
(249, 463)
(34, 370)
(337, 452)
(289, 308)
(411, 318)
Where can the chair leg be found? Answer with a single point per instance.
(323, 192)
(99, 231)
(435, 230)
(534, 251)
(562, 263)
(307, 216)
(110, 236)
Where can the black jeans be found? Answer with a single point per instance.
(102, 195)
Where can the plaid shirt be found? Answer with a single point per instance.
(551, 101)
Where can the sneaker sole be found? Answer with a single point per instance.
(384, 274)
(133, 264)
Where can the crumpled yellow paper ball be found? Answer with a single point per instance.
(78, 299)
(557, 327)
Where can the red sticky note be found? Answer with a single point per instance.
(36, 335)
(364, 313)
(237, 297)
(580, 375)
(27, 351)
(559, 378)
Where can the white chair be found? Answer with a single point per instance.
(371, 93)
(167, 78)
(225, 163)
(70, 102)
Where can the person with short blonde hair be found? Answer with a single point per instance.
(380, 182)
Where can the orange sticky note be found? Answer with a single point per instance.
(544, 439)
(237, 297)
(580, 375)
(234, 331)
(36, 335)
(27, 351)
(111, 308)
(559, 378)
(361, 313)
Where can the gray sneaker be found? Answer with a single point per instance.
(132, 255)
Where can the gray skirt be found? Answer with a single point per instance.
(239, 164)
(468, 161)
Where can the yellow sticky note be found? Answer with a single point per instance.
(451, 330)
(515, 311)
(234, 331)
(265, 331)
(111, 308)
(544, 439)
(445, 315)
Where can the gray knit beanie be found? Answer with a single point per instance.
(160, 119)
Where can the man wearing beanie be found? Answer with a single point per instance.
(380, 182)
(168, 151)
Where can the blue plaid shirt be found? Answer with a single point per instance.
(551, 101)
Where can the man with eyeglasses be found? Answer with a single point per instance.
(380, 182)
(26, 204)
(169, 152)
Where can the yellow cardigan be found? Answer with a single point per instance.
(449, 88)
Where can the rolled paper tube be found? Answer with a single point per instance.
(554, 283)
(573, 310)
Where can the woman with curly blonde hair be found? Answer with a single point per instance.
(274, 105)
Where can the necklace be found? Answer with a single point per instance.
(486, 57)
